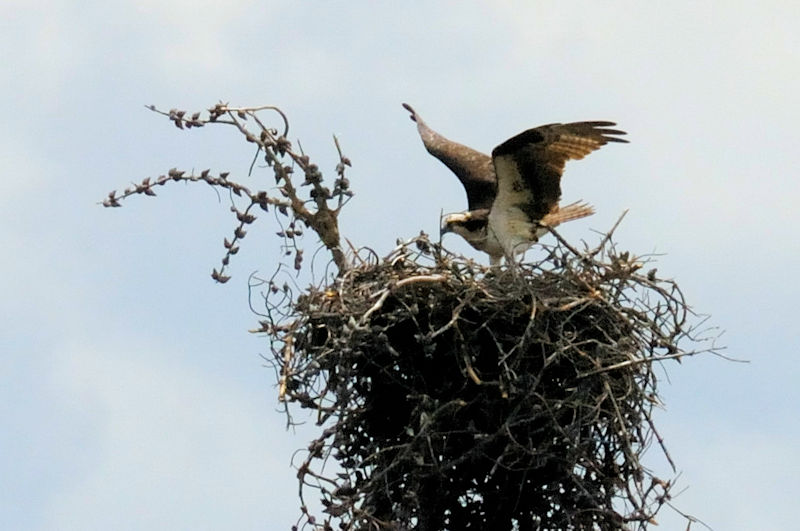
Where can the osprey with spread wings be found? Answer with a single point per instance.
(513, 196)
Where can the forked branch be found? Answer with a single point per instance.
(318, 209)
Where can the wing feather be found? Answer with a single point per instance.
(529, 165)
(474, 169)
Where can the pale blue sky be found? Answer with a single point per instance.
(132, 396)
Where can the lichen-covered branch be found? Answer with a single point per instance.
(317, 209)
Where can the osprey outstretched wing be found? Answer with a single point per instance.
(529, 168)
(474, 169)
(513, 196)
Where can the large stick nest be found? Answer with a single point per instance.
(459, 397)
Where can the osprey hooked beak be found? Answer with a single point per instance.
(450, 221)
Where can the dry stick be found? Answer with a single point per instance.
(564, 242)
(636, 362)
(691, 519)
(650, 423)
(405, 282)
(608, 235)
(451, 322)
(356, 256)
(471, 371)
(288, 353)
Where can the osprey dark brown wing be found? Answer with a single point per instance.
(529, 165)
(528, 169)
(474, 169)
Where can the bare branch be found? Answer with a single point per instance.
(314, 211)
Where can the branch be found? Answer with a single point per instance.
(315, 211)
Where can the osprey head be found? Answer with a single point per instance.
(469, 225)
(473, 226)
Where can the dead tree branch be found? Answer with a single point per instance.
(318, 209)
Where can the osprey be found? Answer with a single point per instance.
(513, 196)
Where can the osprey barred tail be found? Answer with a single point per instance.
(509, 216)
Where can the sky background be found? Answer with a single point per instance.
(131, 394)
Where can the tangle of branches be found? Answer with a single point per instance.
(455, 397)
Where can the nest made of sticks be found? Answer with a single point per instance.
(455, 396)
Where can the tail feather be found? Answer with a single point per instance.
(575, 210)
